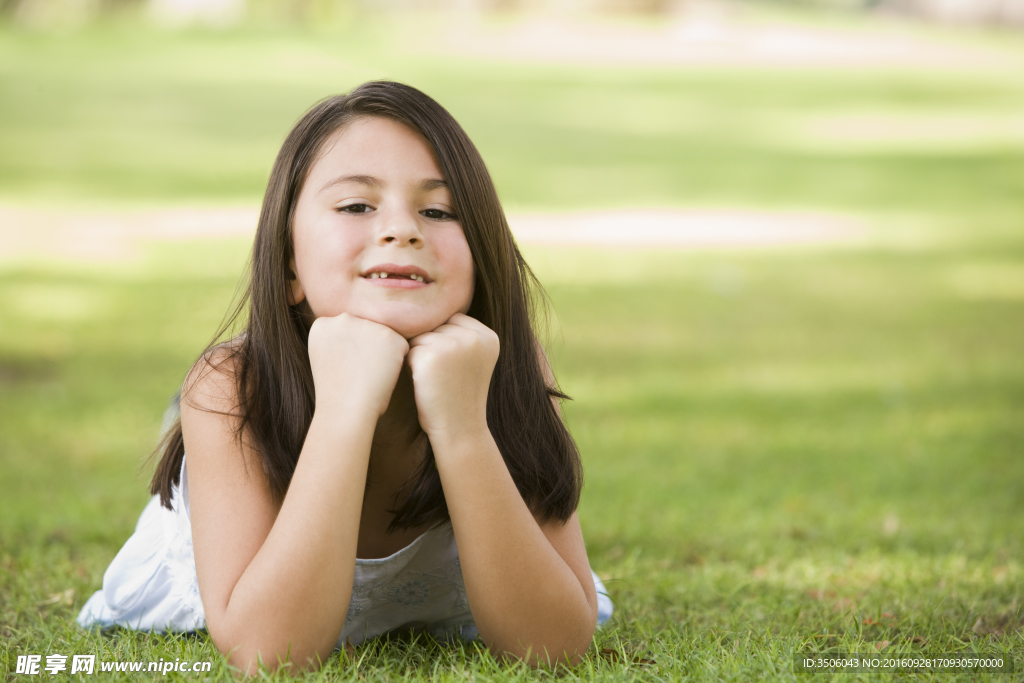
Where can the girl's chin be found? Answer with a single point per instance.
(403, 325)
(410, 332)
(410, 322)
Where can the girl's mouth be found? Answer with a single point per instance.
(394, 275)
(398, 276)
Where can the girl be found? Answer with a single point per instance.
(381, 448)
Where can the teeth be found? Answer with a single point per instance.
(417, 278)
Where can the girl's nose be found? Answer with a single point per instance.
(400, 228)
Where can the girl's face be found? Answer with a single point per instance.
(375, 232)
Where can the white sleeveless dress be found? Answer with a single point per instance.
(151, 584)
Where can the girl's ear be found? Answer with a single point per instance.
(295, 292)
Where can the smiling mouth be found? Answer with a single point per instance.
(395, 276)
(397, 272)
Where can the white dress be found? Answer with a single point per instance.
(151, 584)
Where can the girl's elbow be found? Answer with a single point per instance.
(248, 661)
(540, 656)
(566, 647)
(559, 650)
(577, 647)
(247, 653)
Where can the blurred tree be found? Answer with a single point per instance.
(994, 12)
(65, 13)
(58, 13)
(207, 12)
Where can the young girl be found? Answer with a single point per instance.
(381, 448)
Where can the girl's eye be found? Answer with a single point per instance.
(354, 208)
(438, 215)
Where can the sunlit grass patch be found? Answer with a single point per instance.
(771, 468)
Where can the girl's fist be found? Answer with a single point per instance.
(355, 363)
(451, 373)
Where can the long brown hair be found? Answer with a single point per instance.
(270, 359)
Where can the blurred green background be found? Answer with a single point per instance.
(780, 442)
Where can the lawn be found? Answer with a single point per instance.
(787, 450)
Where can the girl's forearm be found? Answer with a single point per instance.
(292, 599)
(525, 599)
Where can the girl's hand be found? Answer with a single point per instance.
(451, 373)
(355, 363)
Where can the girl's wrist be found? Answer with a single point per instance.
(340, 421)
(464, 437)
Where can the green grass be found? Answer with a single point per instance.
(785, 449)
